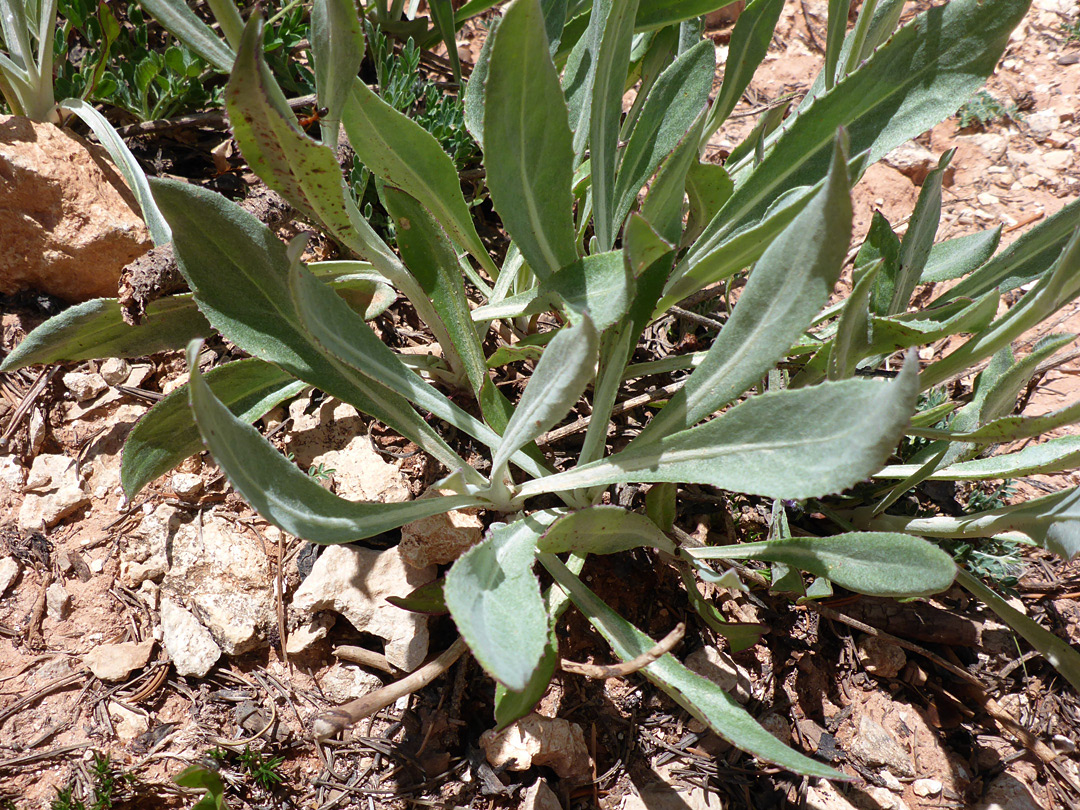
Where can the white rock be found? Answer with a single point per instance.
(186, 485)
(926, 787)
(128, 723)
(53, 491)
(57, 602)
(114, 662)
(84, 385)
(97, 565)
(1057, 159)
(37, 430)
(912, 160)
(540, 797)
(190, 646)
(361, 474)
(9, 572)
(12, 473)
(150, 593)
(308, 633)
(1043, 122)
(986, 198)
(354, 582)
(721, 669)
(1007, 792)
(224, 574)
(440, 539)
(884, 800)
(825, 796)
(539, 740)
(344, 682)
(891, 782)
(142, 555)
(115, 370)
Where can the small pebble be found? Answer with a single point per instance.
(926, 787)
(115, 370)
(84, 385)
(97, 565)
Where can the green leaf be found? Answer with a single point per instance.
(786, 289)
(658, 13)
(737, 252)
(749, 43)
(579, 73)
(341, 333)
(609, 83)
(425, 599)
(661, 504)
(407, 156)
(702, 698)
(708, 187)
(919, 237)
(1011, 428)
(285, 495)
(239, 273)
(852, 341)
(428, 253)
(566, 367)
(789, 444)
(670, 110)
(1062, 655)
(127, 164)
(337, 45)
(166, 434)
(442, 12)
(529, 172)
(1053, 455)
(872, 563)
(1052, 521)
(1024, 260)
(495, 600)
(663, 206)
(96, 329)
(837, 26)
(180, 21)
(602, 530)
(475, 99)
(954, 258)
(918, 78)
(594, 285)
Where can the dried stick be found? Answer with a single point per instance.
(663, 647)
(339, 719)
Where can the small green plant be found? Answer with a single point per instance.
(109, 785)
(1071, 30)
(610, 220)
(983, 110)
(264, 771)
(320, 472)
(197, 777)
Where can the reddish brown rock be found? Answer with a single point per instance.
(68, 223)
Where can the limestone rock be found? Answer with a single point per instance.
(721, 669)
(874, 745)
(128, 723)
(9, 572)
(345, 682)
(190, 646)
(440, 539)
(84, 385)
(309, 633)
(142, 556)
(54, 490)
(926, 787)
(538, 740)
(824, 796)
(880, 657)
(57, 602)
(115, 370)
(224, 574)
(70, 222)
(114, 662)
(354, 582)
(540, 797)
(914, 161)
(186, 485)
